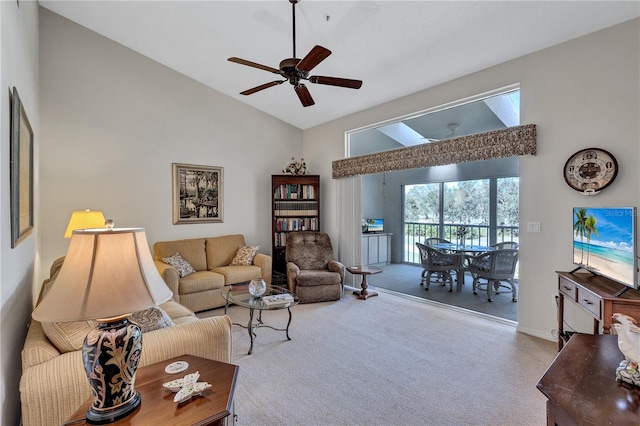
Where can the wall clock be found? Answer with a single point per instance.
(590, 170)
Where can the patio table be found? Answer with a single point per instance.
(461, 249)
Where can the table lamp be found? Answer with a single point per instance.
(83, 219)
(107, 275)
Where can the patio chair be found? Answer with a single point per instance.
(434, 240)
(437, 262)
(506, 245)
(494, 270)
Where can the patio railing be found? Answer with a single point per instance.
(480, 235)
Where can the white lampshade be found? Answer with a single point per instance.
(84, 219)
(106, 273)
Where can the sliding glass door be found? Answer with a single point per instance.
(476, 212)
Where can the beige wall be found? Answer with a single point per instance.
(18, 68)
(114, 121)
(580, 94)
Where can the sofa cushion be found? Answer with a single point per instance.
(191, 250)
(69, 336)
(244, 256)
(183, 267)
(238, 274)
(312, 277)
(201, 281)
(221, 250)
(176, 311)
(152, 319)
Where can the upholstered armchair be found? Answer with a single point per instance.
(312, 272)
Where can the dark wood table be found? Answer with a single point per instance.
(581, 385)
(213, 407)
(364, 270)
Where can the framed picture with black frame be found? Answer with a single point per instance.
(197, 194)
(21, 171)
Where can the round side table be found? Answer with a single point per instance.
(364, 270)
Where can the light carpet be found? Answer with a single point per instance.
(390, 360)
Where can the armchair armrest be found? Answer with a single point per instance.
(292, 272)
(51, 391)
(265, 263)
(335, 266)
(208, 338)
(170, 276)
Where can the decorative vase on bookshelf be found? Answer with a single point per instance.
(296, 168)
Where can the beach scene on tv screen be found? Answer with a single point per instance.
(603, 241)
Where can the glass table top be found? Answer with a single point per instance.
(238, 294)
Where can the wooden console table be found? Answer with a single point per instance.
(581, 385)
(596, 295)
(213, 407)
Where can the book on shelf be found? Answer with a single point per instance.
(292, 191)
(296, 224)
(299, 208)
(277, 299)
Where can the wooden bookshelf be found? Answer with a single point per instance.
(295, 207)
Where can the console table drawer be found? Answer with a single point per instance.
(568, 288)
(598, 296)
(590, 302)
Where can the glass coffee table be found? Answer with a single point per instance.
(274, 298)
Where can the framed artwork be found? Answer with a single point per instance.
(197, 193)
(21, 172)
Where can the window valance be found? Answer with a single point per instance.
(517, 140)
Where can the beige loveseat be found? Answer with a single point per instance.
(54, 384)
(210, 257)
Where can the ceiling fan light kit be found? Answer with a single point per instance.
(296, 70)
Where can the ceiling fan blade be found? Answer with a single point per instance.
(304, 95)
(335, 81)
(262, 87)
(313, 58)
(253, 64)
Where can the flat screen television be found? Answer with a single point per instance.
(374, 225)
(604, 242)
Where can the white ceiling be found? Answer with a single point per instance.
(395, 47)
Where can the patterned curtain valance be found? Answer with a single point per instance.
(517, 140)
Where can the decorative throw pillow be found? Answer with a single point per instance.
(152, 319)
(68, 336)
(182, 266)
(244, 256)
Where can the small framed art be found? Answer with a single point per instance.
(197, 193)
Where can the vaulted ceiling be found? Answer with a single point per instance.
(395, 47)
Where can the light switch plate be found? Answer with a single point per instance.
(533, 227)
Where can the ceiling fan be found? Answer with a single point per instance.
(295, 70)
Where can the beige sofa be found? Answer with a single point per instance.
(210, 257)
(54, 384)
